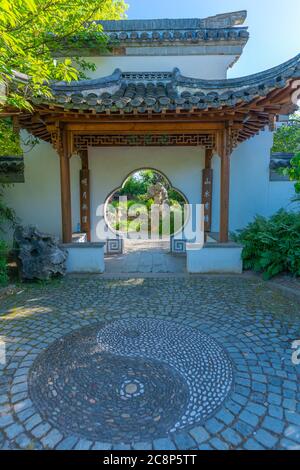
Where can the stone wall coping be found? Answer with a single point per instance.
(84, 245)
(222, 245)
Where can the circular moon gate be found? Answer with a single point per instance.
(130, 380)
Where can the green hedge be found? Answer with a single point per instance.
(272, 245)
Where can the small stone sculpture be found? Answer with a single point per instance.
(159, 194)
(39, 254)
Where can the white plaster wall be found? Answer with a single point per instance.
(251, 191)
(37, 201)
(280, 195)
(109, 167)
(208, 67)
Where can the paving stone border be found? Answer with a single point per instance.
(255, 323)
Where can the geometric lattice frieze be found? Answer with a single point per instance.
(82, 142)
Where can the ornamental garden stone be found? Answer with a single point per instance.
(39, 254)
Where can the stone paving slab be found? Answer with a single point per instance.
(144, 256)
(253, 322)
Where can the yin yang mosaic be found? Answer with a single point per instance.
(130, 380)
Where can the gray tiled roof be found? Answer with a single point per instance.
(224, 20)
(194, 36)
(190, 30)
(169, 90)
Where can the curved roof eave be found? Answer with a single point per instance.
(285, 70)
(248, 80)
(171, 89)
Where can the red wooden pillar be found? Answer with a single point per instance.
(225, 186)
(65, 185)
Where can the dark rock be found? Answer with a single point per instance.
(12, 169)
(39, 254)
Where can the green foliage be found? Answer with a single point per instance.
(293, 172)
(136, 190)
(138, 184)
(175, 196)
(7, 215)
(272, 246)
(134, 187)
(9, 140)
(287, 137)
(3, 264)
(39, 37)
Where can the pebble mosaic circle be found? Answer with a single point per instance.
(130, 380)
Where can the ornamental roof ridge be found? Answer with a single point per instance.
(142, 91)
(270, 77)
(116, 78)
(101, 82)
(224, 20)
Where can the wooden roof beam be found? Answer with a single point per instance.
(144, 126)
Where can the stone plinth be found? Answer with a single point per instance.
(215, 258)
(85, 257)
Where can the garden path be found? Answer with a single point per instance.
(143, 256)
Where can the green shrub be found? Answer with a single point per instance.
(7, 215)
(3, 264)
(9, 139)
(287, 136)
(272, 245)
(293, 172)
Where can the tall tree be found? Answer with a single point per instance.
(41, 38)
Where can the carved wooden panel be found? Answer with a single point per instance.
(207, 179)
(232, 140)
(55, 137)
(85, 202)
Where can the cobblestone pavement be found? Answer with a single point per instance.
(233, 334)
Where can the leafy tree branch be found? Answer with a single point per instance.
(40, 38)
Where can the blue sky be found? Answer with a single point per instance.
(274, 26)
